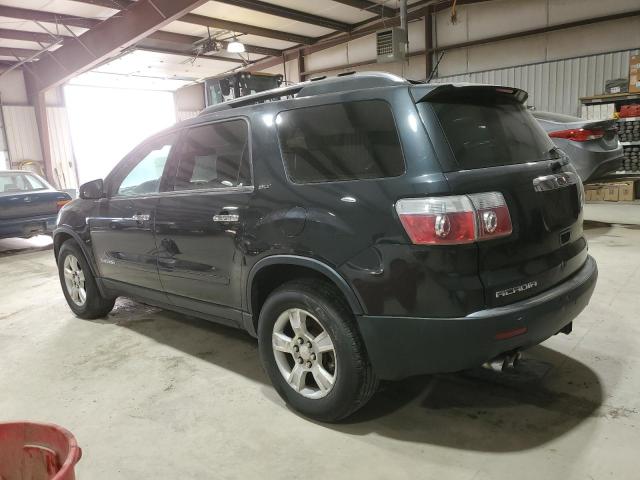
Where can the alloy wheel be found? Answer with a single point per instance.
(74, 280)
(304, 353)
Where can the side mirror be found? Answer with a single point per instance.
(93, 189)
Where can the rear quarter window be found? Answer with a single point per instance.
(342, 141)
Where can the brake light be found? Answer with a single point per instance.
(61, 203)
(578, 134)
(455, 220)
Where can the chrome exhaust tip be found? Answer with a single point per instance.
(506, 361)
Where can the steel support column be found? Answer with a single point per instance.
(300, 65)
(428, 43)
(37, 99)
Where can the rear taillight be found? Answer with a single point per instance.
(455, 219)
(578, 134)
(61, 203)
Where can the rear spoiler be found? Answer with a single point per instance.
(433, 92)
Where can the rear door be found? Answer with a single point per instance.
(488, 142)
(200, 218)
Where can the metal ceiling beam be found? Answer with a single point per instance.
(40, 16)
(26, 36)
(447, 4)
(289, 13)
(536, 31)
(359, 32)
(187, 54)
(17, 52)
(271, 52)
(216, 23)
(48, 17)
(106, 39)
(246, 29)
(370, 6)
(82, 22)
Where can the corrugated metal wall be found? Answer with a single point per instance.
(557, 86)
(62, 158)
(186, 114)
(22, 133)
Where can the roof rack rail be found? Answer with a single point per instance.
(261, 97)
(316, 86)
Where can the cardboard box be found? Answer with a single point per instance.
(634, 74)
(588, 195)
(626, 192)
(598, 195)
(611, 193)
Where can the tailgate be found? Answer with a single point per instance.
(547, 244)
(488, 142)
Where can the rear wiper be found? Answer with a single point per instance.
(553, 153)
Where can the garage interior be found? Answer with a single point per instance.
(153, 394)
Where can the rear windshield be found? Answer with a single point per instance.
(489, 130)
(19, 182)
(343, 141)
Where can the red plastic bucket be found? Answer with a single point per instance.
(37, 451)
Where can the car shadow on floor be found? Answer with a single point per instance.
(547, 396)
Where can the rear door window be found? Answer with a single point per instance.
(487, 130)
(214, 156)
(343, 141)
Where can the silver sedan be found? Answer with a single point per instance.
(592, 146)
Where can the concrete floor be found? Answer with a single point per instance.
(152, 395)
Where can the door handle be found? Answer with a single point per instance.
(226, 218)
(138, 217)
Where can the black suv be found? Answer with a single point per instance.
(361, 227)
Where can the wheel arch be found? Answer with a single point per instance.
(61, 235)
(295, 267)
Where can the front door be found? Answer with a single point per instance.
(122, 233)
(199, 220)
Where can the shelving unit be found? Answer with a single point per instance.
(629, 132)
(610, 98)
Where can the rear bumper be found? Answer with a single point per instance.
(606, 167)
(399, 347)
(27, 227)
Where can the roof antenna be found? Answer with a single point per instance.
(435, 68)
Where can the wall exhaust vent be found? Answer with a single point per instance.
(390, 45)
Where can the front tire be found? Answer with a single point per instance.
(312, 351)
(79, 285)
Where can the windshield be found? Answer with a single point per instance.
(11, 182)
(489, 130)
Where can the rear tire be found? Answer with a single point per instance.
(79, 285)
(320, 367)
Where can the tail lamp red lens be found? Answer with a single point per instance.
(61, 203)
(457, 219)
(578, 134)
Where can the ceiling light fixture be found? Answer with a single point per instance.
(234, 46)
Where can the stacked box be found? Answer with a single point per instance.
(611, 192)
(634, 74)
